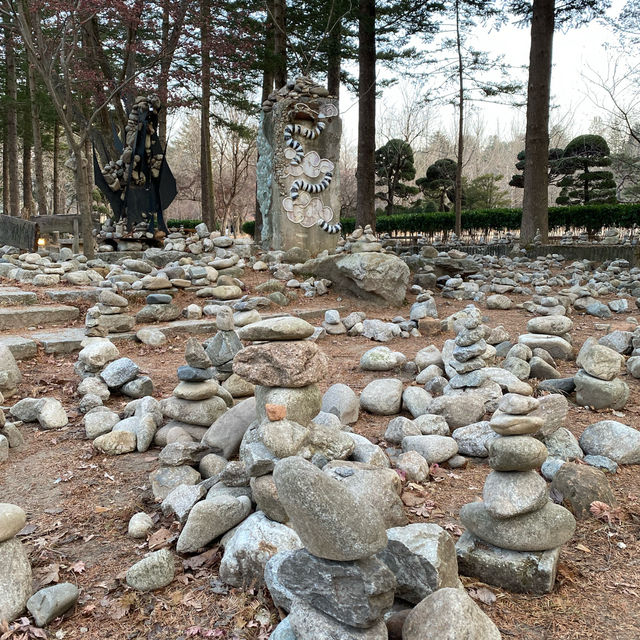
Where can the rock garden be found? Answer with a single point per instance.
(215, 441)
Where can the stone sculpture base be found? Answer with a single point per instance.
(516, 571)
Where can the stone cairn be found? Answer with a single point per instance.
(597, 384)
(10, 436)
(198, 400)
(100, 359)
(15, 569)
(222, 348)
(360, 241)
(335, 587)
(285, 368)
(514, 535)
(159, 308)
(108, 316)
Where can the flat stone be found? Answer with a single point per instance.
(516, 453)
(551, 325)
(326, 516)
(513, 425)
(516, 571)
(512, 493)
(201, 412)
(36, 315)
(434, 449)
(21, 348)
(153, 572)
(192, 374)
(196, 390)
(612, 439)
(563, 444)
(461, 410)
(284, 328)
(541, 530)
(558, 347)
(553, 410)
(115, 443)
(51, 602)
(516, 404)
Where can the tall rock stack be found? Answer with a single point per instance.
(222, 348)
(335, 587)
(514, 535)
(198, 400)
(285, 369)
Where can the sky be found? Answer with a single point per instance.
(574, 51)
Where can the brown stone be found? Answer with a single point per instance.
(581, 485)
(429, 326)
(275, 412)
(290, 364)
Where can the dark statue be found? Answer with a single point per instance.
(139, 186)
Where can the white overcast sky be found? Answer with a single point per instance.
(574, 51)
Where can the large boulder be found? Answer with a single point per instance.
(381, 278)
(612, 439)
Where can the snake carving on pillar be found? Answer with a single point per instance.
(300, 205)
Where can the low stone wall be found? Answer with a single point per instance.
(594, 252)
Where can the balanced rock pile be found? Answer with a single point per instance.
(108, 316)
(335, 587)
(597, 384)
(514, 536)
(198, 400)
(159, 308)
(550, 333)
(100, 359)
(222, 348)
(285, 369)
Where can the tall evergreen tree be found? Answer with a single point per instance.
(394, 166)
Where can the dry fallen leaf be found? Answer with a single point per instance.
(161, 538)
(581, 547)
(77, 567)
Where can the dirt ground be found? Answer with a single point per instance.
(78, 506)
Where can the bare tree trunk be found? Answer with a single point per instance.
(27, 198)
(267, 88)
(206, 170)
(163, 80)
(460, 156)
(535, 206)
(83, 195)
(365, 173)
(334, 58)
(12, 120)
(280, 42)
(5, 173)
(41, 195)
(56, 171)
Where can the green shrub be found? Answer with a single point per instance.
(249, 227)
(591, 217)
(187, 224)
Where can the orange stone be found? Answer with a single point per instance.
(275, 412)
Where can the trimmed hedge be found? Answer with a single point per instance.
(591, 217)
(249, 227)
(186, 224)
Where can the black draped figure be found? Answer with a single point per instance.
(139, 186)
